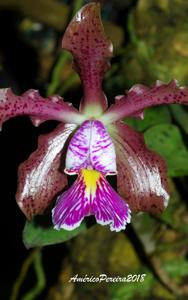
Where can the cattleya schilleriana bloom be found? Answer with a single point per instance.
(92, 143)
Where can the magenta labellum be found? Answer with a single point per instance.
(91, 194)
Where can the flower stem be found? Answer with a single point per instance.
(34, 258)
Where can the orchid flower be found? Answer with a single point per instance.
(93, 142)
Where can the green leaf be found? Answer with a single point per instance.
(38, 232)
(166, 140)
(152, 116)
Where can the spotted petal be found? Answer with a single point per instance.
(91, 147)
(38, 108)
(142, 178)
(86, 40)
(39, 177)
(140, 97)
(90, 194)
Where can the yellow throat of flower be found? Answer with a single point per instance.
(90, 179)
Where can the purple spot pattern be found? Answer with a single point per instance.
(140, 97)
(38, 108)
(91, 147)
(86, 40)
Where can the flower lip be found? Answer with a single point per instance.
(91, 194)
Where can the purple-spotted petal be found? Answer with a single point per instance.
(140, 97)
(39, 177)
(141, 178)
(90, 194)
(38, 108)
(86, 40)
(91, 147)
